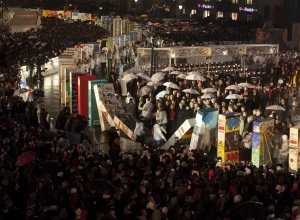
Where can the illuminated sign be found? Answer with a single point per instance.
(246, 9)
(205, 6)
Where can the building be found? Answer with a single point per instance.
(24, 20)
(117, 26)
(227, 9)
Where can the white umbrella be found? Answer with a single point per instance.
(129, 77)
(144, 76)
(154, 83)
(171, 85)
(275, 108)
(207, 96)
(191, 91)
(181, 76)
(144, 91)
(195, 77)
(169, 68)
(209, 90)
(246, 85)
(162, 94)
(233, 87)
(158, 76)
(176, 72)
(234, 96)
(193, 72)
(20, 91)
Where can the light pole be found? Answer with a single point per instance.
(152, 58)
(180, 8)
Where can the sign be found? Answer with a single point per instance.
(121, 126)
(262, 139)
(74, 92)
(94, 120)
(83, 94)
(294, 162)
(228, 136)
(107, 104)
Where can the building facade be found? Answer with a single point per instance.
(226, 9)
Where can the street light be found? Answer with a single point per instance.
(180, 8)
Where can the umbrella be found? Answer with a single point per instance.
(154, 83)
(144, 91)
(209, 90)
(195, 77)
(171, 85)
(176, 72)
(193, 72)
(162, 94)
(181, 76)
(207, 96)
(233, 87)
(275, 108)
(20, 91)
(246, 85)
(144, 76)
(191, 91)
(234, 96)
(25, 158)
(129, 77)
(169, 68)
(158, 76)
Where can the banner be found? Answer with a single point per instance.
(294, 150)
(81, 16)
(74, 92)
(68, 15)
(184, 131)
(210, 119)
(119, 124)
(221, 137)
(75, 15)
(65, 67)
(94, 120)
(61, 14)
(107, 104)
(228, 137)
(83, 94)
(88, 17)
(262, 142)
(46, 13)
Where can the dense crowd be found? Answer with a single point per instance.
(195, 33)
(44, 175)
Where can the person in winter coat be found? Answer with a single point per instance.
(158, 134)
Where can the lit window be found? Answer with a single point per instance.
(220, 14)
(193, 11)
(249, 2)
(249, 17)
(234, 1)
(234, 16)
(206, 13)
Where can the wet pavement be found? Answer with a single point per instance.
(51, 99)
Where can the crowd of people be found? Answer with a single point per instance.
(195, 33)
(46, 176)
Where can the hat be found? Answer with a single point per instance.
(237, 198)
(165, 210)
(150, 205)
